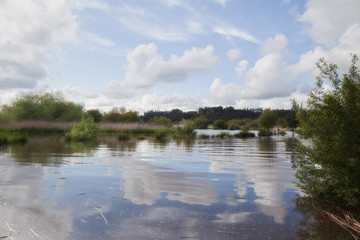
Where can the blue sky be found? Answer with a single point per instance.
(165, 54)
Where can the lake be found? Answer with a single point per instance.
(175, 189)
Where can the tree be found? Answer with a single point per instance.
(267, 120)
(95, 114)
(161, 121)
(201, 122)
(46, 106)
(220, 124)
(291, 120)
(329, 167)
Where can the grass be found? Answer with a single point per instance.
(13, 139)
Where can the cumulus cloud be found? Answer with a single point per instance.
(28, 30)
(327, 19)
(233, 54)
(276, 44)
(267, 79)
(234, 32)
(147, 68)
(348, 43)
(166, 102)
(240, 69)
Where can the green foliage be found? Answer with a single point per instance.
(244, 135)
(86, 129)
(264, 132)
(267, 120)
(160, 134)
(121, 115)
(201, 122)
(46, 106)
(234, 124)
(291, 121)
(13, 139)
(329, 167)
(187, 129)
(95, 114)
(223, 135)
(141, 137)
(245, 129)
(220, 124)
(164, 121)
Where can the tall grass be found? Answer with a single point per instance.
(47, 127)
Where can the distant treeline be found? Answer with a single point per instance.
(212, 114)
(54, 107)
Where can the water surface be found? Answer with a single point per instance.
(174, 189)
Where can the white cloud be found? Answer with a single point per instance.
(348, 43)
(92, 37)
(276, 44)
(221, 2)
(147, 68)
(233, 54)
(269, 78)
(234, 32)
(166, 102)
(240, 69)
(28, 30)
(225, 94)
(328, 19)
(95, 4)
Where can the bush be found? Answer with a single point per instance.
(244, 135)
(95, 114)
(234, 124)
(86, 129)
(329, 166)
(187, 130)
(223, 135)
(162, 121)
(264, 132)
(201, 122)
(220, 124)
(47, 106)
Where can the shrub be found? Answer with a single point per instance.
(86, 129)
(223, 135)
(220, 124)
(201, 122)
(329, 166)
(95, 114)
(264, 132)
(244, 135)
(47, 106)
(164, 121)
(187, 129)
(234, 124)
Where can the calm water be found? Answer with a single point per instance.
(200, 189)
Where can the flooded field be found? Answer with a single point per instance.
(174, 189)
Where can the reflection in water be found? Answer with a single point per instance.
(23, 214)
(175, 189)
(316, 225)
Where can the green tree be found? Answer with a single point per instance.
(46, 106)
(201, 122)
(329, 167)
(121, 115)
(291, 121)
(161, 121)
(267, 120)
(220, 124)
(95, 114)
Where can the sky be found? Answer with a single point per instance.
(165, 54)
